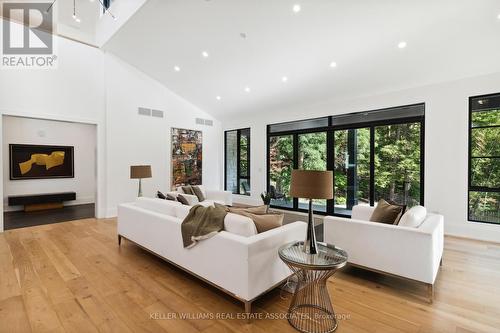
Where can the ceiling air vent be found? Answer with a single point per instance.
(157, 113)
(144, 111)
(206, 122)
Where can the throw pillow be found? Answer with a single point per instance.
(161, 195)
(413, 217)
(385, 212)
(198, 193)
(254, 210)
(182, 199)
(171, 197)
(263, 221)
(267, 221)
(187, 189)
(403, 210)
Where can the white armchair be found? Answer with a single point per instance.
(411, 253)
(211, 196)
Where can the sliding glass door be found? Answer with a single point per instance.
(312, 156)
(373, 155)
(280, 170)
(351, 169)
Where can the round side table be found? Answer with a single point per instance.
(311, 310)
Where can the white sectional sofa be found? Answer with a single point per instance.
(211, 196)
(241, 263)
(413, 253)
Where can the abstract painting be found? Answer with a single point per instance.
(186, 157)
(40, 161)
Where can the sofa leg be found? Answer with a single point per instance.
(119, 240)
(248, 310)
(441, 262)
(430, 292)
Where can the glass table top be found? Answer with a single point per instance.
(328, 256)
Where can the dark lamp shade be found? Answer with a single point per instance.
(140, 171)
(310, 184)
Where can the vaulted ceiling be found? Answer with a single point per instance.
(262, 54)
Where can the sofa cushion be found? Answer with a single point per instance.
(161, 206)
(362, 212)
(413, 217)
(187, 189)
(239, 225)
(197, 191)
(182, 199)
(385, 212)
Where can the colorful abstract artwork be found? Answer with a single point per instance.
(37, 161)
(186, 157)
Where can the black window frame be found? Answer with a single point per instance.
(330, 129)
(239, 177)
(470, 187)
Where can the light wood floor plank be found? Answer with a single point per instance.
(73, 277)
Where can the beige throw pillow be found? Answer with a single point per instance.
(263, 221)
(386, 213)
(197, 191)
(187, 190)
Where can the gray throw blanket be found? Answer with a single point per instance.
(202, 223)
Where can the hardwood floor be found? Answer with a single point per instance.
(73, 277)
(22, 219)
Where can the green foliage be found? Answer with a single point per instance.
(485, 165)
(281, 162)
(312, 151)
(397, 162)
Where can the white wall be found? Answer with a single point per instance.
(74, 91)
(445, 143)
(135, 139)
(19, 130)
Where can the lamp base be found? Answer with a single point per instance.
(310, 245)
(140, 188)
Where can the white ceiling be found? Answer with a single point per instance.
(446, 40)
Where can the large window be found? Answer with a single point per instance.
(312, 156)
(351, 169)
(280, 169)
(484, 159)
(374, 155)
(237, 161)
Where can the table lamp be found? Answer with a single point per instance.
(140, 172)
(311, 185)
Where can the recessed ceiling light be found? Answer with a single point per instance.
(333, 64)
(498, 17)
(402, 45)
(177, 68)
(247, 89)
(217, 98)
(204, 54)
(284, 79)
(296, 8)
(78, 20)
